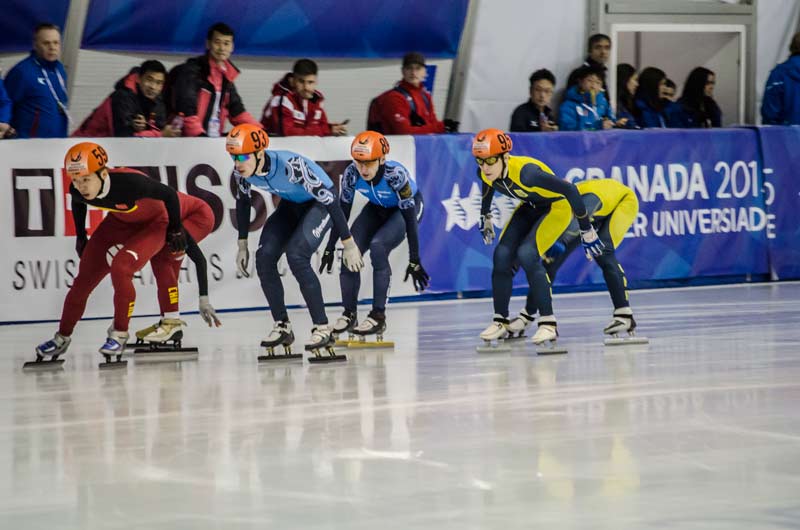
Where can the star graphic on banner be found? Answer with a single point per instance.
(472, 207)
(456, 216)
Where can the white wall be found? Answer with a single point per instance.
(512, 39)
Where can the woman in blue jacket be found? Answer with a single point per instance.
(649, 105)
(696, 109)
(585, 107)
(627, 82)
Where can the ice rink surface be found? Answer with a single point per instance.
(698, 430)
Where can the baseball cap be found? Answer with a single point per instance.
(413, 58)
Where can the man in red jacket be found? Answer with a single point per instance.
(408, 107)
(295, 108)
(202, 89)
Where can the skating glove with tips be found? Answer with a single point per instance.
(351, 256)
(176, 241)
(419, 277)
(80, 244)
(208, 313)
(487, 229)
(592, 244)
(242, 258)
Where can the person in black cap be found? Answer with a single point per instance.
(407, 108)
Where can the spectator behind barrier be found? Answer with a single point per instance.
(627, 82)
(295, 108)
(6, 131)
(585, 106)
(599, 46)
(649, 103)
(670, 90)
(135, 108)
(781, 103)
(408, 107)
(37, 85)
(535, 115)
(201, 90)
(696, 108)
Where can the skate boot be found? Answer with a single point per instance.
(494, 336)
(322, 341)
(622, 322)
(344, 324)
(164, 343)
(545, 337)
(374, 324)
(114, 346)
(518, 326)
(167, 330)
(281, 335)
(53, 349)
(142, 333)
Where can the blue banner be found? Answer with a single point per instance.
(702, 209)
(781, 152)
(281, 28)
(19, 19)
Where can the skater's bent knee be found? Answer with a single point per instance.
(503, 256)
(528, 256)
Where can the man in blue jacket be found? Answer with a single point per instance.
(5, 112)
(585, 106)
(781, 104)
(37, 85)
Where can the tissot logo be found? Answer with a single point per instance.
(34, 202)
(465, 212)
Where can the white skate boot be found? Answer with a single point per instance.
(622, 322)
(167, 330)
(142, 333)
(281, 335)
(374, 324)
(345, 324)
(165, 343)
(518, 326)
(52, 348)
(494, 336)
(322, 339)
(545, 337)
(114, 346)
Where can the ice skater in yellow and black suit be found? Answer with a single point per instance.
(612, 208)
(546, 209)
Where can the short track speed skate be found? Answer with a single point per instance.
(53, 349)
(546, 336)
(321, 346)
(623, 322)
(283, 336)
(345, 324)
(518, 326)
(163, 343)
(114, 347)
(494, 337)
(372, 325)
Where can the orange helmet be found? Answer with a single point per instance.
(85, 158)
(369, 145)
(245, 139)
(491, 142)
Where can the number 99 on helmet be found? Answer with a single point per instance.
(84, 159)
(491, 142)
(369, 145)
(245, 139)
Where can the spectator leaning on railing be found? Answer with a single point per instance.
(696, 108)
(649, 103)
(38, 87)
(585, 106)
(781, 104)
(135, 108)
(535, 115)
(202, 89)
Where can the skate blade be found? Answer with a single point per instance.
(626, 341)
(500, 348)
(327, 358)
(179, 355)
(113, 365)
(279, 357)
(550, 349)
(365, 344)
(44, 366)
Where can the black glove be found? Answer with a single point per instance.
(327, 261)
(416, 120)
(451, 126)
(418, 275)
(176, 241)
(80, 244)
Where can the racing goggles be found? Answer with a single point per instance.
(241, 158)
(489, 160)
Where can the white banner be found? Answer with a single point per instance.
(39, 260)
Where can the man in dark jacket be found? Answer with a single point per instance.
(295, 108)
(781, 103)
(599, 53)
(407, 108)
(135, 108)
(535, 115)
(201, 90)
(38, 87)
